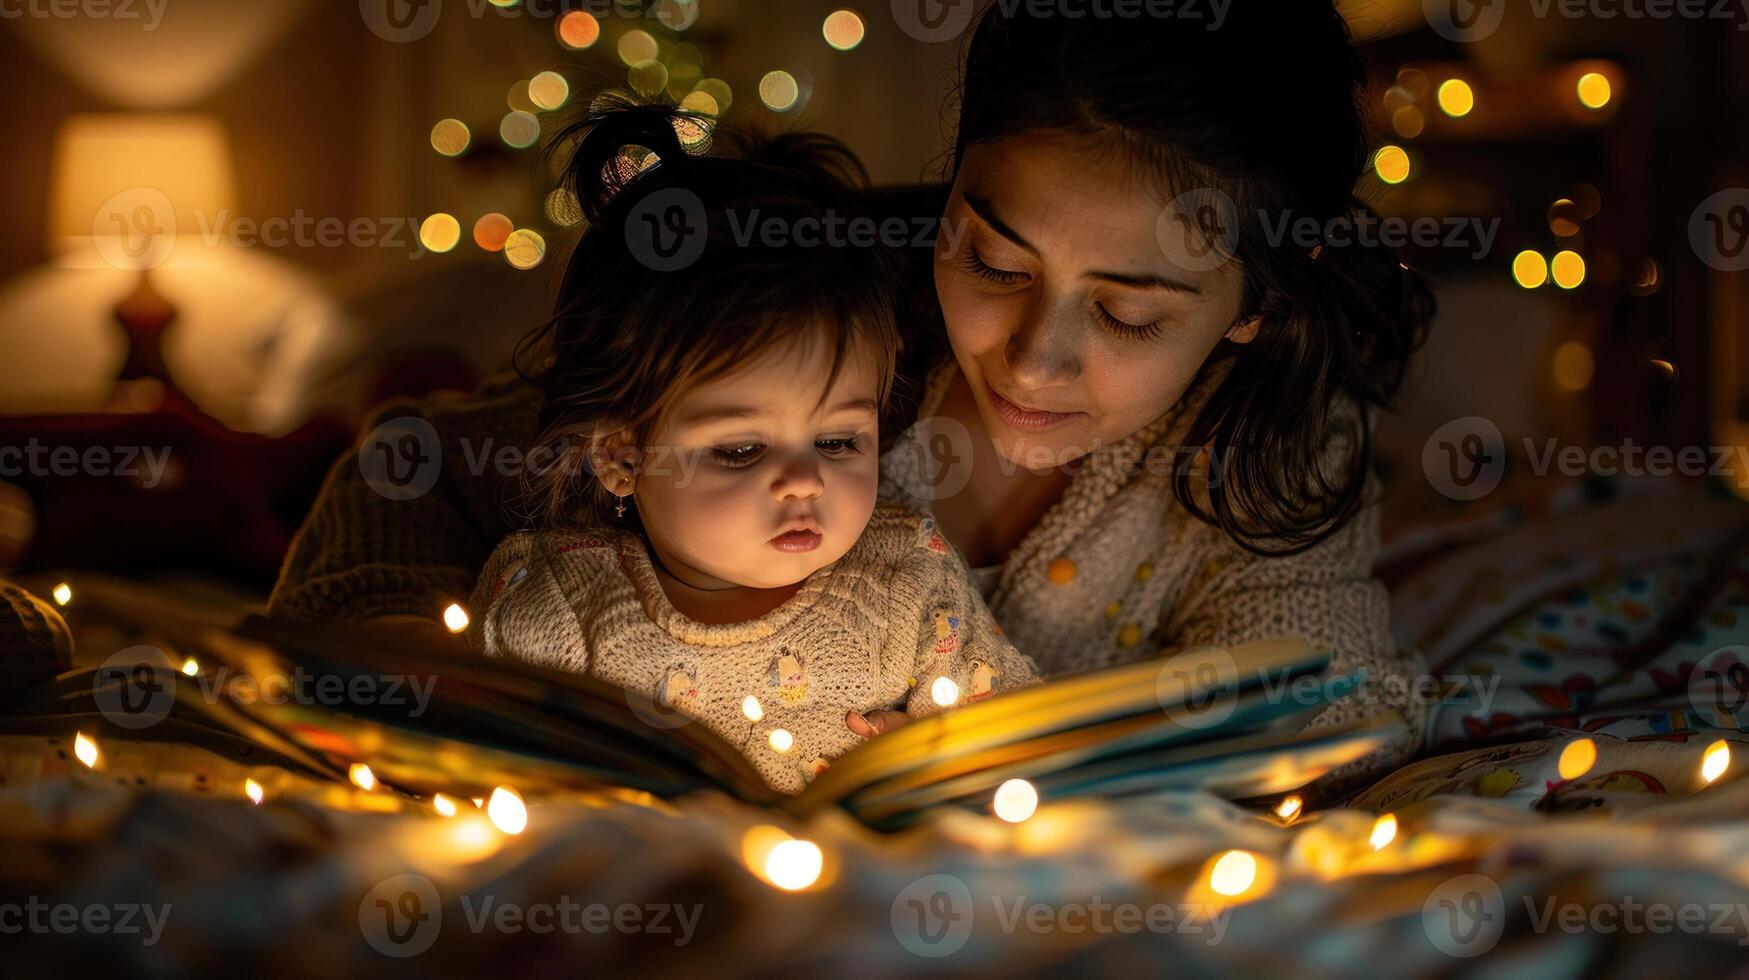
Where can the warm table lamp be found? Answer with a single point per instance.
(126, 186)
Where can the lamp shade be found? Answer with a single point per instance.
(128, 183)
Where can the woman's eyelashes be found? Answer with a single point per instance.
(738, 456)
(975, 264)
(1140, 331)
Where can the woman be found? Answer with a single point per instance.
(1142, 417)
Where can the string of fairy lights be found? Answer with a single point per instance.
(1321, 846)
(658, 63)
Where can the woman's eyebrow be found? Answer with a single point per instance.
(982, 209)
(1147, 280)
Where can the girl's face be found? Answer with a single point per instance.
(753, 480)
(1072, 322)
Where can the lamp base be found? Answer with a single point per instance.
(144, 383)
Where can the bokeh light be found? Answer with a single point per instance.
(779, 91)
(1392, 164)
(507, 811)
(1574, 366)
(1564, 217)
(1016, 800)
(1530, 269)
(794, 864)
(524, 249)
(647, 78)
(517, 99)
(1568, 269)
(1234, 873)
(450, 137)
(548, 91)
(635, 46)
(491, 230)
(440, 233)
(519, 130)
(455, 618)
(578, 30)
(719, 90)
(1577, 758)
(843, 29)
(1409, 122)
(1594, 90)
(1456, 98)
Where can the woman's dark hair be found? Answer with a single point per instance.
(1262, 107)
(676, 281)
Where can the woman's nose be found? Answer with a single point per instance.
(1043, 351)
(799, 479)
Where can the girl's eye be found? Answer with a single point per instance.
(737, 456)
(838, 447)
(976, 265)
(1140, 331)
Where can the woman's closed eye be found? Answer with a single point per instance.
(1140, 331)
(975, 264)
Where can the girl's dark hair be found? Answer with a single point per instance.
(675, 281)
(1263, 108)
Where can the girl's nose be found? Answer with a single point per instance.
(799, 479)
(1043, 351)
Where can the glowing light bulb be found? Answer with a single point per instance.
(252, 789)
(1594, 90)
(1568, 269)
(1577, 758)
(1234, 873)
(794, 864)
(444, 805)
(190, 667)
(86, 749)
(1015, 800)
(781, 740)
(944, 691)
(1530, 269)
(1384, 830)
(455, 618)
(507, 811)
(1392, 164)
(362, 777)
(1456, 98)
(1716, 761)
(63, 594)
(751, 708)
(1289, 808)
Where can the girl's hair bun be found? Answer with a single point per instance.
(600, 166)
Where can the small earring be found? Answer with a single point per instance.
(619, 507)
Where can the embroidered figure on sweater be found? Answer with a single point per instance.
(947, 633)
(983, 682)
(789, 677)
(679, 691)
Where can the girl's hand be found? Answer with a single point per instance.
(875, 722)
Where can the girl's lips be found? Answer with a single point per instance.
(1025, 419)
(797, 541)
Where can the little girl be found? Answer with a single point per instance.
(722, 552)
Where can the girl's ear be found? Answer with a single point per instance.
(1245, 331)
(614, 460)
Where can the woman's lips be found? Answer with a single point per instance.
(797, 541)
(1027, 419)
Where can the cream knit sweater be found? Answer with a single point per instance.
(875, 629)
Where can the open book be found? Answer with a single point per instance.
(1228, 720)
